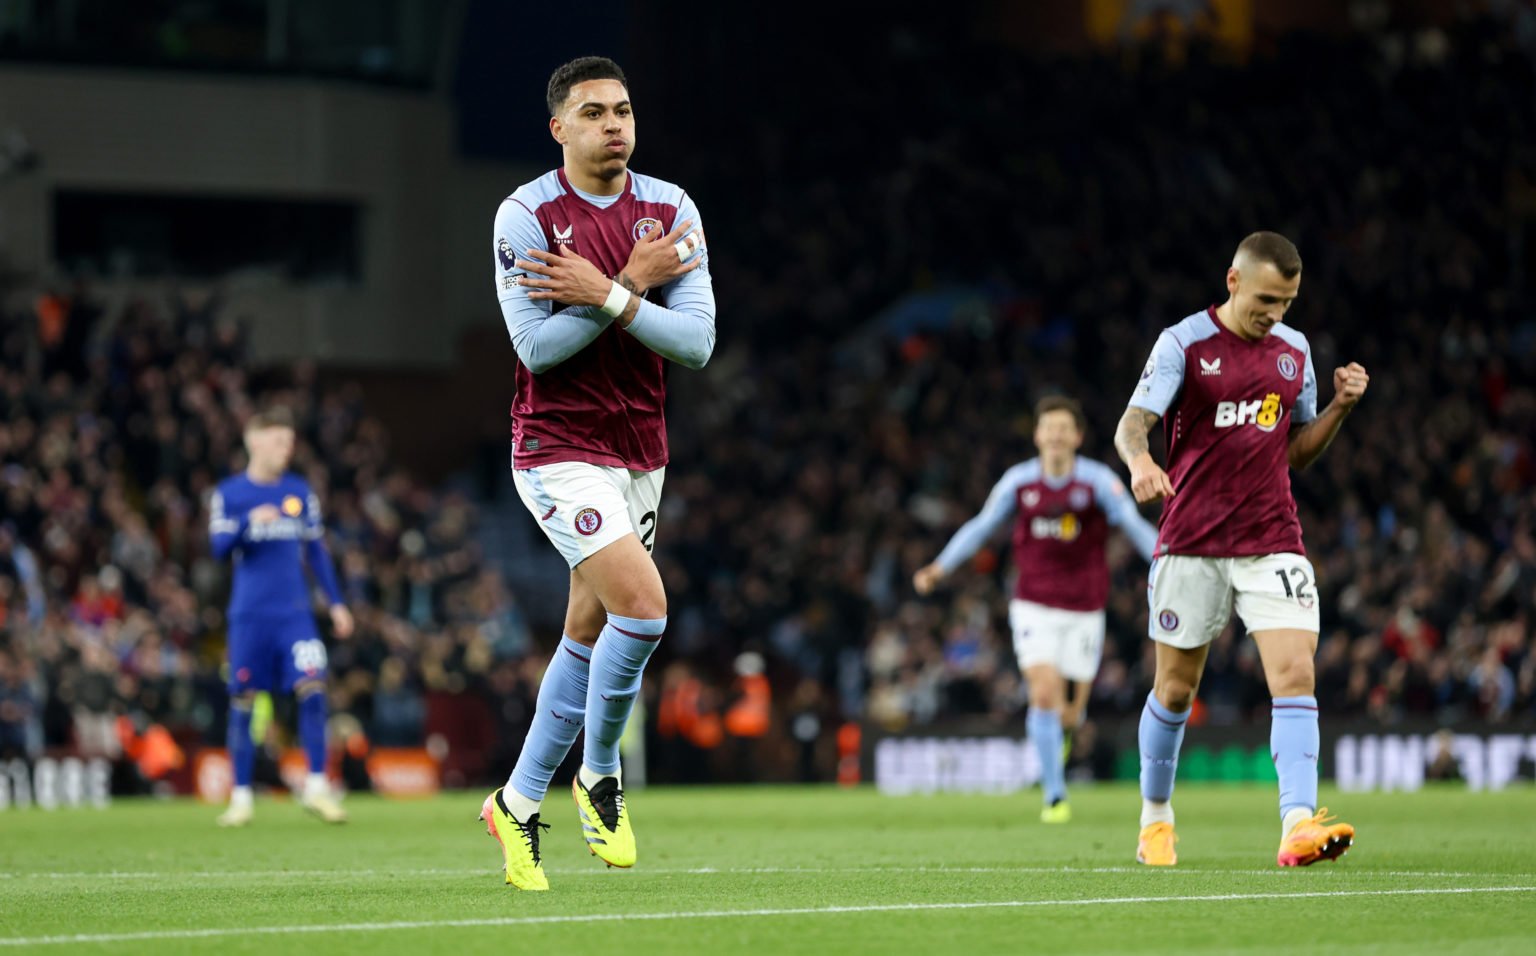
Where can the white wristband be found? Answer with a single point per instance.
(617, 301)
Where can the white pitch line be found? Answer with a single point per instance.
(214, 932)
(1068, 870)
(870, 870)
(1341, 871)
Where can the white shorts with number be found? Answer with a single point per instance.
(583, 508)
(1070, 641)
(1190, 598)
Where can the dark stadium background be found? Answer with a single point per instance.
(921, 220)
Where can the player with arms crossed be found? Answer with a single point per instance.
(602, 278)
(269, 522)
(1242, 395)
(1065, 505)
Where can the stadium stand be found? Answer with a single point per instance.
(822, 458)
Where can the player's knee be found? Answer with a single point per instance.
(1044, 695)
(642, 604)
(625, 582)
(1176, 694)
(1046, 687)
(584, 622)
(306, 689)
(245, 700)
(1293, 677)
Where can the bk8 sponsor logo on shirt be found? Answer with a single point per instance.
(1065, 528)
(1263, 415)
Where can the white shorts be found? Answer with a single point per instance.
(583, 508)
(1071, 641)
(1190, 598)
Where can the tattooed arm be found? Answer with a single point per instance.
(1148, 481)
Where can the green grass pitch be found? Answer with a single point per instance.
(771, 870)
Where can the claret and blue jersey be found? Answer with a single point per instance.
(585, 391)
(1060, 531)
(1229, 405)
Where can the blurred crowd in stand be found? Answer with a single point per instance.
(873, 380)
(1043, 234)
(119, 419)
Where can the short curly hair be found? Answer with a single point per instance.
(579, 70)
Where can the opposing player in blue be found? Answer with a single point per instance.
(269, 522)
(1064, 506)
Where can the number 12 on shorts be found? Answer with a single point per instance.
(1299, 592)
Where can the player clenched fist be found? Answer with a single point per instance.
(1149, 482)
(1349, 384)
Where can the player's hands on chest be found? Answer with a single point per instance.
(657, 259)
(563, 277)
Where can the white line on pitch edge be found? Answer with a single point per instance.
(214, 932)
(1338, 871)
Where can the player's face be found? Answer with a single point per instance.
(1056, 433)
(597, 126)
(1260, 297)
(270, 448)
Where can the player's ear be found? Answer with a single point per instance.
(557, 129)
(1233, 278)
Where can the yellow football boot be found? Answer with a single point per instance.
(1155, 848)
(1316, 839)
(1058, 812)
(519, 843)
(605, 821)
